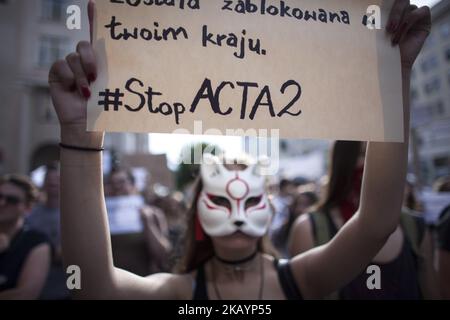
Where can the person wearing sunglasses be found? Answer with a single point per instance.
(24, 254)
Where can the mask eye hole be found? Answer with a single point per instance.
(220, 201)
(253, 201)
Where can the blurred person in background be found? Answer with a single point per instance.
(45, 218)
(442, 184)
(412, 201)
(25, 255)
(406, 260)
(299, 206)
(139, 232)
(156, 234)
(45, 215)
(281, 202)
(121, 182)
(175, 210)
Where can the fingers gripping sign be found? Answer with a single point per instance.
(409, 27)
(70, 83)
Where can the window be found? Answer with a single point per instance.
(445, 30)
(431, 41)
(432, 86)
(44, 111)
(429, 64)
(414, 94)
(53, 10)
(420, 115)
(447, 54)
(441, 162)
(51, 49)
(438, 109)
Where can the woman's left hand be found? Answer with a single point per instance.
(409, 27)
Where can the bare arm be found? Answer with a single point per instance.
(84, 226)
(329, 267)
(32, 276)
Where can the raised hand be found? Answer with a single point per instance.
(409, 27)
(69, 81)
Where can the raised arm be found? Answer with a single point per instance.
(84, 226)
(327, 268)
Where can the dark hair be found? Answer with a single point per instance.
(53, 166)
(119, 169)
(411, 201)
(196, 253)
(284, 183)
(24, 183)
(312, 198)
(343, 162)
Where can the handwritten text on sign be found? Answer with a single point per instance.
(310, 68)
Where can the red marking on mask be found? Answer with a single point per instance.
(238, 200)
(214, 206)
(262, 206)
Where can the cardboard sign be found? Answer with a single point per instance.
(302, 68)
(123, 214)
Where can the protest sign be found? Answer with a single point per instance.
(308, 68)
(123, 214)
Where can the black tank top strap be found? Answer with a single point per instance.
(200, 289)
(285, 276)
(287, 280)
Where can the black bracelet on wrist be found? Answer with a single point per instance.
(76, 148)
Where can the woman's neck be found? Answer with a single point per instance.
(236, 264)
(234, 255)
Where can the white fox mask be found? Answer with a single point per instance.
(232, 200)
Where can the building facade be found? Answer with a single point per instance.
(34, 35)
(430, 100)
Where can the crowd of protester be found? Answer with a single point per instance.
(147, 236)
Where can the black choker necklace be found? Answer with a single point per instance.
(237, 262)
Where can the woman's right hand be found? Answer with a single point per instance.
(69, 82)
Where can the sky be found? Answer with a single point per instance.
(172, 144)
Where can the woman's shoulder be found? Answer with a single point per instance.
(181, 284)
(27, 239)
(35, 235)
